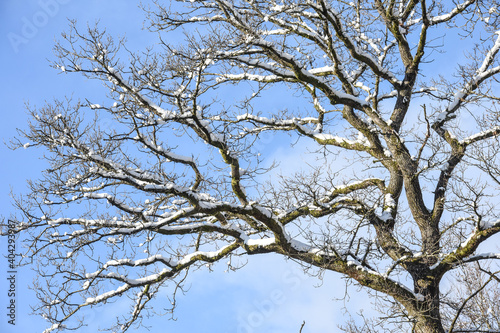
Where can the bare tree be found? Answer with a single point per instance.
(472, 301)
(401, 189)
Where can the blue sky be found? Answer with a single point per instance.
(269, 295)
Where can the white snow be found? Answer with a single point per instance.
(303, 247)
(389, 200)
(52, 328)
(389, 204)
(101, 297)
(260, 242)
(457, 9)
(489, 224)
(481, 74)
(481, 135)
(206, 254)
(471, 236)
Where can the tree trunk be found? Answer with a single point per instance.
(429, 325)
(426, 286)
(428, 317)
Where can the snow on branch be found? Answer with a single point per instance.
(299, 124)
(389, 208)
(357, 53)
(492, 132)
(459, 8)
(482, 73)
(489, 224)
(482, 256)
(159, 277)
(465, 251)
(351, 187)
